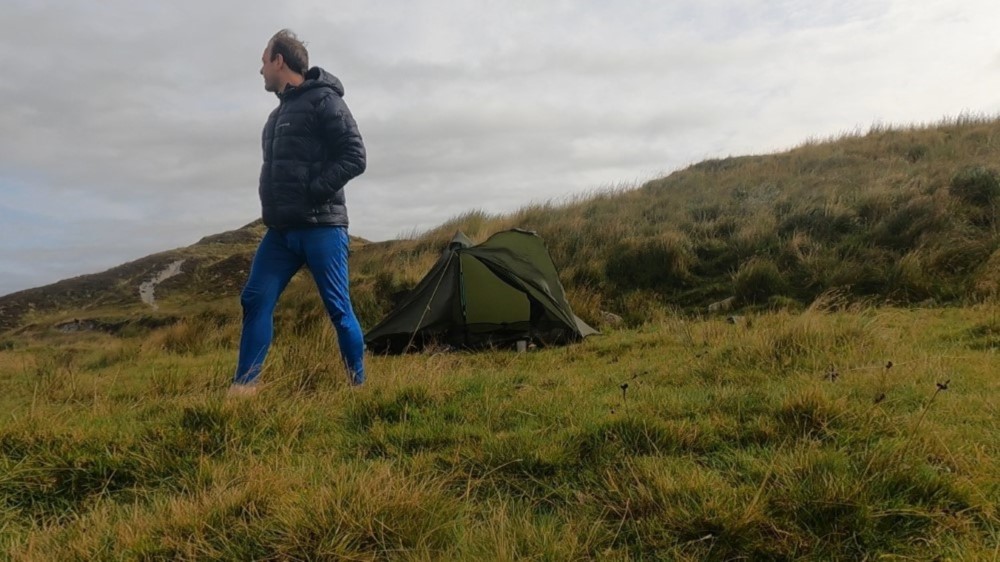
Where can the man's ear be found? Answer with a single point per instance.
(279, 60)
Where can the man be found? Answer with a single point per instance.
(312, 148)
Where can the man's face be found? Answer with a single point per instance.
(269, 69)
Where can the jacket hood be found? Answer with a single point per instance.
(316, 77)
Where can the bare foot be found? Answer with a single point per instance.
(241, 390)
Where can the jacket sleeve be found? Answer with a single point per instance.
(345, 156)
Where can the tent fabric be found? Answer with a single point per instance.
(503, 290)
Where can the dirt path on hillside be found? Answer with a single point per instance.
(147, 288)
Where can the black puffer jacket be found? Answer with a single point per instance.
(312, 148)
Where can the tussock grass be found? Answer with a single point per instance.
(784, 436)
(903, 215)
(777, 380)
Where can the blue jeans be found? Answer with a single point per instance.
(281, 253)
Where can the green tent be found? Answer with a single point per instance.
(494, 294)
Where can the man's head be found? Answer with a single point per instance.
(285, 61)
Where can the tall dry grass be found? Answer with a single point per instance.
(845, 431)
(904, 215)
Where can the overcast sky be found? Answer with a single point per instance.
(128, 128)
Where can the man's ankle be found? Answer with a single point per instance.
(240, 390)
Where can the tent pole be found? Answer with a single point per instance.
(465, 313)
(428, 307)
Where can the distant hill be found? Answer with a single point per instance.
(214, 267)
(904, 215)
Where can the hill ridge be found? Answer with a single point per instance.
(907, 215)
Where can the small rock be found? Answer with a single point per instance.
(610, 319)
(723, 305)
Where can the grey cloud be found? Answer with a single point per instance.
(140, 120)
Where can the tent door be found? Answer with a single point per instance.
(488, 300)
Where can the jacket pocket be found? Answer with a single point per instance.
(314, 185)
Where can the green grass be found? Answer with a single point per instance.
(764, 439)
(843, 414)
(908, 215)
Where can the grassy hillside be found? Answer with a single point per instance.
(906, 215)
(843, 413)
(821, 435)
(901, 215)
(214, 268)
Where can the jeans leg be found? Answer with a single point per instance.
(273, 267)
(325, 251)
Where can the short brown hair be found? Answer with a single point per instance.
(293, 51)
